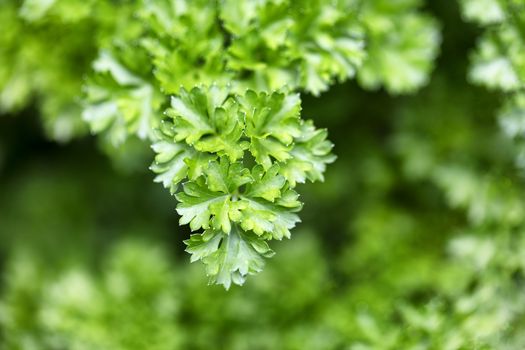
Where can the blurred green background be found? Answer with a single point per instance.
(414, 241)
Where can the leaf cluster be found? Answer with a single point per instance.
(242, 156)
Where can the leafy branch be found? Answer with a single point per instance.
(239, 190)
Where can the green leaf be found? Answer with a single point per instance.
(212, 198)
(226, 177)
(229, 129)
(294, 44)
(196, 204)
(207, 120)
(120, 103)
(229, 258)
(266, 185)
(185, 42)
(401, 49)
(331, 57)
(237, 15)
(174, 161)
(197, 164)
(266, 206)
(272, 220)
(275, 115)
(310, 155)
(170, 163)
(203, 244)
(190, 113)
(272, 122)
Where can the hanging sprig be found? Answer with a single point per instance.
(239, 190)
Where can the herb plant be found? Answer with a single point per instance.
(215, 87)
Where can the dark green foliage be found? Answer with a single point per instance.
(413, 241)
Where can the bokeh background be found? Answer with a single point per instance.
(414, 241)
